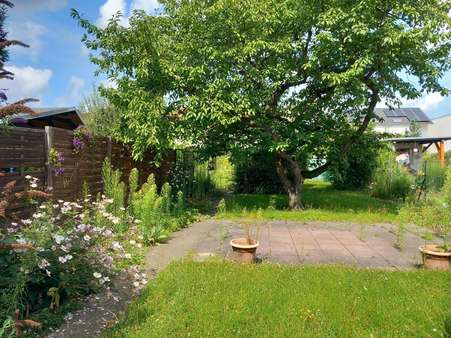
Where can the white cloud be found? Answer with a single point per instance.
(149, 6)
(75, 91)
(34, 5)
(427, 102)
(30, 33)
(28, 82)
(110, 8)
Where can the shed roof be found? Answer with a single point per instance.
(420, 139)
(61, 117)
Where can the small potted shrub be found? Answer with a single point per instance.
(245, 248)
(437, 256)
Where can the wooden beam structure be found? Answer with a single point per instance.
(441, 153)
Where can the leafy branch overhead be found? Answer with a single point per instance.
(299, 79)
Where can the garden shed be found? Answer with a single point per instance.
(65, 118)
(414, 147)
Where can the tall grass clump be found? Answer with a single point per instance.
(132, 184)
(158, 213)
(113, 187)
(223, 174)
(391, 180)
(435, 173)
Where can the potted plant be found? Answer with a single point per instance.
(245, 248)
(437, 256)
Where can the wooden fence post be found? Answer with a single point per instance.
(109, 148)
(48, 167)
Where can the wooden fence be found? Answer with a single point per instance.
(25, 152)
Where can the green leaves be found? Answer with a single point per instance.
(228, 75)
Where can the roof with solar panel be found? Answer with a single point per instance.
(401, 116)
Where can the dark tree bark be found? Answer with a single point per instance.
(290, 175)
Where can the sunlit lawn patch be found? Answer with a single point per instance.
(228, 300)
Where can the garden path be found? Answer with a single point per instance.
(280, 242)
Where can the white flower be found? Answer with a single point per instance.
(97, 275)
(26, 221)
(86, 238)
(128, 256)
(60, 201)
(64, 248)
(14, 224)
(116, 245)
(122, 208)
(62, 259)
(137, 221)
(144, 281)
(66, 204)
(28, 177)
(43, 264)
(59, 239)
(69, 257)
(48, 272)
(132, 242)
(33, 185)
(109, 200)
(107, 232)
(140, 245)
(136, 284)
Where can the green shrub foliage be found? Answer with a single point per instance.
(391, 180)
(256, 173)
(355, 170)
(114, 188)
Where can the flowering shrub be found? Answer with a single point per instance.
(81, 137)
(63, 251)
(56, 159)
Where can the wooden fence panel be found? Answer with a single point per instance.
(24, 151)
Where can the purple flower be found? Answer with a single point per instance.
(59, 171)
(78, 144)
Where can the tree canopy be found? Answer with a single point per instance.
(297, 78)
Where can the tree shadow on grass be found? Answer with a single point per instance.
(317, 197)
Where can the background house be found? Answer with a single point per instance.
(398, 121)
(64, 118)
(441, 127)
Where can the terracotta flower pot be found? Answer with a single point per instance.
(434, 257)
(243, 251)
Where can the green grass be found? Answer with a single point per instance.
(323, 204)
(217, 299)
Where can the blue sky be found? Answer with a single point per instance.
(56, 69)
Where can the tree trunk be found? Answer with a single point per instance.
(290, 175)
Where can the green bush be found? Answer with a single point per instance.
(435, 173)
(113, 187)
(446, 190)
(391, 180)
(355, 170)
(159, 214)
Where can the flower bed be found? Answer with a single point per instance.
(67, 250)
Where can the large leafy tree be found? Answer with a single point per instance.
(298, 78)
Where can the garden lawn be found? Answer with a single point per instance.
(323, 203)
(216, 299)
